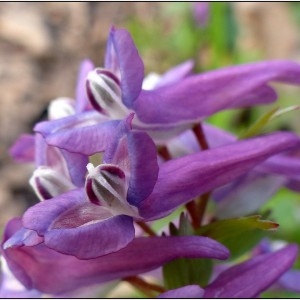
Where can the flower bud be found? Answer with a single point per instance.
(60, 108)
(48, 183)
(106, 185)
(104, 93)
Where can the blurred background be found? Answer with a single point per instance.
(42, 44)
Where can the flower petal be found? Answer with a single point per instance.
(182, 179)
(201, 95)
(134, 152)
(122, 56)
(68, 133)
(189, 291)
(175, 74)
(36, 266)
(23, 149)
(247, 194)
(70, 217)
(82, 102)
(250, 278)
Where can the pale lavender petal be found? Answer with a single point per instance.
(123, 54)
(82, 102)
(250, 278)
(182, 179)
(68, 133)
(283, 165)
(201, 95)
(247, 194)
(186, 143)
(189, 291)
(291, 281)
(23, 149)
(175, 74)
(36, 266)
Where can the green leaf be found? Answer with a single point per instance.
(257, 127)
(265, 119)
(184, 271)
(239, 234)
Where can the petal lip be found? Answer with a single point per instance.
(96, 239)
(69, 218)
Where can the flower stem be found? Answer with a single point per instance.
(147, 288)
(199, 133)
(146, 228)
(201, 206)
(196, 208)
(164, 152)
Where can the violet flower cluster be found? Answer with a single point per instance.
(130, 150)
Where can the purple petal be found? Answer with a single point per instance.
(143, 167)
(182, 179)
(291, 281)
(76, 164)
(70, 165)
(247, 194)
(230, 87)
(23, 149)
(36, 266)
(249, 279)
(135, 152)
(70, 217)
(283, 165)
(186, 143)
(82, 102)
(68, 133)
(123, 56)
(175, 74)
(189, 291)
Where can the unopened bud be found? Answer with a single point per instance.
(60, 108)
(48, 183)
(104, 93)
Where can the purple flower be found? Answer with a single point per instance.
(165, 110)
(48, 271)
(125, 188)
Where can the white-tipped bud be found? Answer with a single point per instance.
(60, 108)
(104, 93)
(48, 183)
(106, 186)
